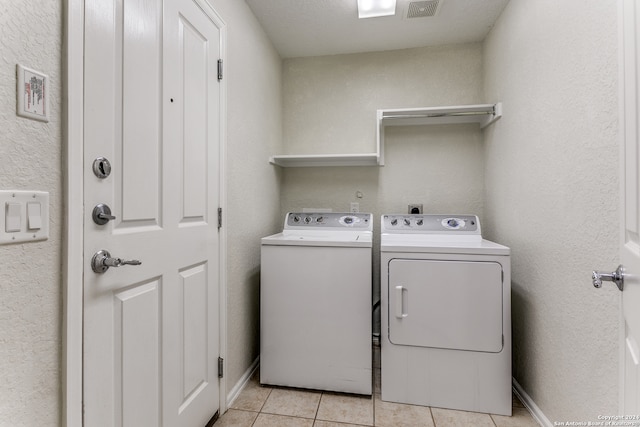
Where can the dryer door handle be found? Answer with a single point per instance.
(401, 292)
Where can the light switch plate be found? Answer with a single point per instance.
(27, 226)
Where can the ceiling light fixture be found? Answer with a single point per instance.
(375, 8)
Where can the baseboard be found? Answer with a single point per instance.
(528, 402)
(242, 382)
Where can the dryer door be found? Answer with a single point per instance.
(446, 304)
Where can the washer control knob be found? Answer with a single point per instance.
(394, 221)
(407, 222)
(452, 222)
(420, 222)
(296, 218)
(348, 220)
(307, 219)
(319, 219)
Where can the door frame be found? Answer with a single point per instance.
(72, 266)
(627, 129)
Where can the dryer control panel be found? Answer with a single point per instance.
(330, 220)
(431, 224)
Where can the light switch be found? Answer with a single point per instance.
(24, 216)
(34, 216)
(12, 218)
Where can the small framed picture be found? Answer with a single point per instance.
(32, 94)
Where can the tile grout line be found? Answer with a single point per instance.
(433, 419)
(315, 417)
(254, 421)
(262, 407)
(265, 400)
(373, 396)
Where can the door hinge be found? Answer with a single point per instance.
(219, 218)
(219, 69)
(220, 367)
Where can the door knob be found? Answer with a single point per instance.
(102, 214)
(616, 277)
(102, 260)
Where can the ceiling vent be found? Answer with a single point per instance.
(422, 9)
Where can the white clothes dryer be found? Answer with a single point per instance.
(315, 301)
(446, 314)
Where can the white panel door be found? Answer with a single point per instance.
(630, 239)
(446, 304)
(152, 108)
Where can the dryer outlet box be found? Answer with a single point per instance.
(415, 209)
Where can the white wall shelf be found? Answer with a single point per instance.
(309, 160)
(482, 114)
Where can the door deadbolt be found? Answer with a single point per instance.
(102, 214)
(101, 167)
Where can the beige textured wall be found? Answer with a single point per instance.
(552, 196)
(254, 132)
(330, 102)
(30, 274)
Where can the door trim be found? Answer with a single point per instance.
(626, 113)
(72, 269)
(73, 189)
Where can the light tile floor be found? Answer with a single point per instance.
(263, 406)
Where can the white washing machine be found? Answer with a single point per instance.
(446, 314)
(315, 317)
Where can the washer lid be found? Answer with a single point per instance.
(321, 238)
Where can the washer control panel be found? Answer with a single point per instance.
(360, 221)
(431, 224)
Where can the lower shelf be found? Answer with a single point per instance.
(311, 160)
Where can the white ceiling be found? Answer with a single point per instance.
(327, 27)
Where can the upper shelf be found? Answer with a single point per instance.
(483, 114)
